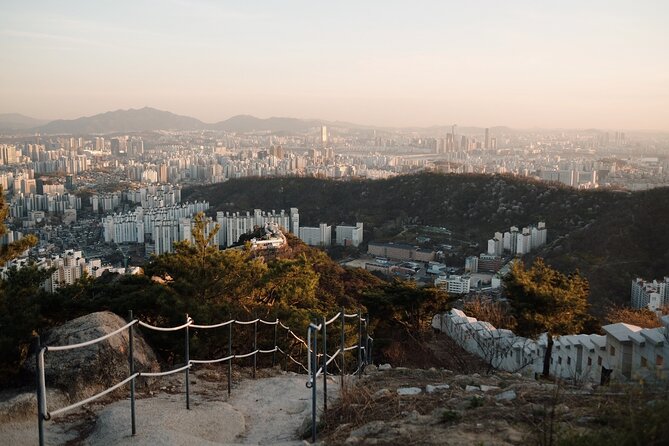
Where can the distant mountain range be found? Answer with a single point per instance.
(15, 121)
(151, 119)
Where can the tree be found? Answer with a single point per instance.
(641, 317)
(546, 301)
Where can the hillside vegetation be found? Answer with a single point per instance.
(610, 236)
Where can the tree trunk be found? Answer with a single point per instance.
(547, 357)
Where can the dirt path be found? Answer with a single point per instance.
(263, 411)
(274, 408)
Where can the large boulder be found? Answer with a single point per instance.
(85, 371)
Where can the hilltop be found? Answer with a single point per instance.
(610, 236)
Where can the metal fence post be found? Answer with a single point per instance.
(131, 361)
(187, 348)
(314, 370)
(276, 328)
(230, 355)
(367, 357)
(343, 346)
(38, 382)
(285, 353)
(255, 346)
(359, 342)
(325, 366)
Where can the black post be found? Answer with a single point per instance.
(359, 342)
(230, 354)
(367, 357)
(38, 381)
(325, 366)
(343, 346)
(285, 353)
(131, 361)
(255, 346)
(276, 328)
(187, 347)
(314, 370)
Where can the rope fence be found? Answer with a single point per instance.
(312, 367)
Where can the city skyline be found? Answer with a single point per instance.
(522, 65)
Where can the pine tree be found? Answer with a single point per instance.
(546, 301)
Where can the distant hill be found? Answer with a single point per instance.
(15, 121)
(132, 120)
(610, 236)
(246, 123)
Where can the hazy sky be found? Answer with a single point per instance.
(519, 63)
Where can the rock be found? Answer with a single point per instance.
(85, 371)
(436, 388)
(385, 367)
(508, 395)
(304, 431)
(370, 368)
(23, 406)
(296, 407)
(408, 391)
(485, 388)
(472, 388)
(381, 393)
(372, 429)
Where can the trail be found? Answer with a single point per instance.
(264, 411)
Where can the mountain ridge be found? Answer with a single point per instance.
(151, 119)
(611, 237)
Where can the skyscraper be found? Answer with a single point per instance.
(324, 135)
(487, 139)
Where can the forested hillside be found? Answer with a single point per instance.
(610, 236)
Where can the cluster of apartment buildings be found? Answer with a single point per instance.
(623, 353)
(162, 225)
(518, 242)
(345, 235)
(652, 295)
(67, 268)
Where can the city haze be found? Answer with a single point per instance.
(520, 64)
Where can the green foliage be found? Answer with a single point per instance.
(609, 236)
(20, 315)
(403, 303)
(546, 301)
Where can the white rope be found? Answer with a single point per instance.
(268, 322)
(350, 315)
(334, 318)
(169, 372)
(94, 397)
(294, 360)
(353, 347)
(222, 324)
(247, 322)
(319, 372)
(297, 337)
(246, 355)
(180, 327)
(333, 357)
(57, 348)
(267, 351)
(211, 361)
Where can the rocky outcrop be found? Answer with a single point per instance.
(82, 372)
